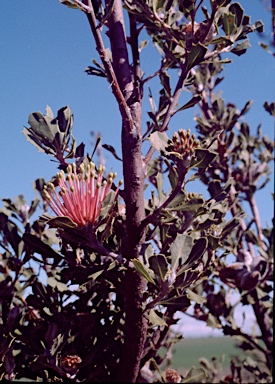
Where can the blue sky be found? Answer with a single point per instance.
(44, 49)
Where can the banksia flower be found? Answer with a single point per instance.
(80, 195)
(172, 376)
(69, 364)
(181, 148)
(183, 144)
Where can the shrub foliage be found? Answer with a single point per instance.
(94, 294)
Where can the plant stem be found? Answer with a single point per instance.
(135, 322)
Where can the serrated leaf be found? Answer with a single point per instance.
(143, 270)
(12, 236)
(73, 151)
(180, 250)
(159, 265)
(191, 205)
(56, 344)
(95, 275)
(165, 81)
(70, 4)
(196, 55)
(195, 99)
(52, 282)
(228, 23)
(31, 139)
(212, 321)
(180, 303)
(195, 375)
(111, 149)
(38, 246)
(39, 290)
(43, 126)
(155, 319)
(65, 120)
(197, 250)
(159, 180)
(63, 222)
(159, 140)
(238, 11)
(195, 297)
(90, 70)
(202, 158)
(49, 111)
(241, 48)
(148, 251)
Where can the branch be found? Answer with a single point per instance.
(255, 211)
(234, 211)
(158, 339)
(171, 108)
(134, 33)
(111, 76)
(157, 212)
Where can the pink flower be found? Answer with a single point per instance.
(80, 195)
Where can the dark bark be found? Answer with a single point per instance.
(133, 172)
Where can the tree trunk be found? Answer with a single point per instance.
(133, 172)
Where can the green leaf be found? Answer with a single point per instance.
(52, 282)
(159, 180)
(159, 140)
(155, 319)
(187, 206)
(270, 108)
(241, 48)
(33, 206)
(58, 341)
(40, 294)
(212, 321)
(31, 139)
(95, 275)
(70, 4)
(251, 237)
(159, 265)
(140, 267)
(180, 249)
(195, 375)
(195, 297)
(38, 246)
(90, 70)
(42, 126)
(196, 55)
(195, 99)
(63, 222)
(203, 157)
(165, 81)
(238, 11)
(259, 26)
(111, 149)
(180, 303)
(197, 250)
(65, 120)
(228, 23)
(12, 236)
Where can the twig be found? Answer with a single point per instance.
(112, 79)
(157, 211)
(171, 108)
(257, 219)
(234, 210)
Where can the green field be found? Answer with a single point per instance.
(187, 352)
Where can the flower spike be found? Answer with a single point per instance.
(81, 194)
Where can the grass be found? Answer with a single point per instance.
(187, 352)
